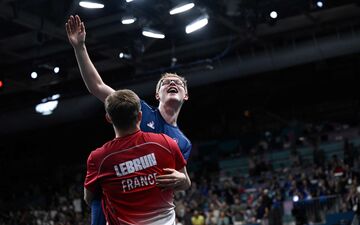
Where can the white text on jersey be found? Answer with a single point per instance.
(139, 181)
(134, 165)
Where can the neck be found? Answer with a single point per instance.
(127, 132)
(170, 112)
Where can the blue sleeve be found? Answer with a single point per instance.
(145, 108)
(148, 122)
(97, 214)
(186, 152)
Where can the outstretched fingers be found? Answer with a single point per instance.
(71, 24)
(67, 28)
(77, 21)
(82, 27)
(165, 179)
(74, 25)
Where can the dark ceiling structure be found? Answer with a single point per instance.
(240, 40)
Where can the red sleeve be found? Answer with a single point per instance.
(91, 179)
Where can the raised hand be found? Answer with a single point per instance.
(75, 31)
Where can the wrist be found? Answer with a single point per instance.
(79, 47)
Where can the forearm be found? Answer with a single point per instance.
(176, 180)
(183, 185)
(90, 75)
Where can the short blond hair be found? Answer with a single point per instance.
(166, 75)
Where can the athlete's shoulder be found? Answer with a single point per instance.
(100, 151)
(146, 106)
(97, 153)
(160, 138)
(152, 135)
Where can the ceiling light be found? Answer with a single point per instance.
(129, 0)
(34, 75)
(46, 108)
(56, 69)
(273, 15)
(47, 105)
(181, 8)
(55, 96)
(152, 33)
(128, 20)
(51, 67)
(197, 24)
(124, 56)
(319, 4)
(91, 4)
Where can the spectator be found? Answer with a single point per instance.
(197, 218)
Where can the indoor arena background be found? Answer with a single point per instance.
(273, 110)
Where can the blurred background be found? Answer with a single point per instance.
(273, 113)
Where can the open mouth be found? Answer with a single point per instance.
(172, 90)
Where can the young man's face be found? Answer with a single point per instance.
(171, 88)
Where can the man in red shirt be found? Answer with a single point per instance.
(126, 169)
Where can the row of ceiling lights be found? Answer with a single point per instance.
(48, 105)
(318, 4)
(152, 33)
(55, 69)
(197, 24)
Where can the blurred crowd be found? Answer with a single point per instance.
(265, 195)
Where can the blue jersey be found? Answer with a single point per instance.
(152, 121)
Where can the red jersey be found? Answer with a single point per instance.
(125, 170)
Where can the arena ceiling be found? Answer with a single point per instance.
(240, 40)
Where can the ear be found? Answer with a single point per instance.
(139, 117)
(157, 95)
(108, 119)
(186, 97)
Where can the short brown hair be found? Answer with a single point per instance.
(166, 75)
(123, 107)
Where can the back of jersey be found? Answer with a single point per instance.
(127, 174)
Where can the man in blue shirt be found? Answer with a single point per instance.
(171, 92)
(153, 121)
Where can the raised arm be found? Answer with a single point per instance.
(76, 33)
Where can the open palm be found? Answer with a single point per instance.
(75, 31)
